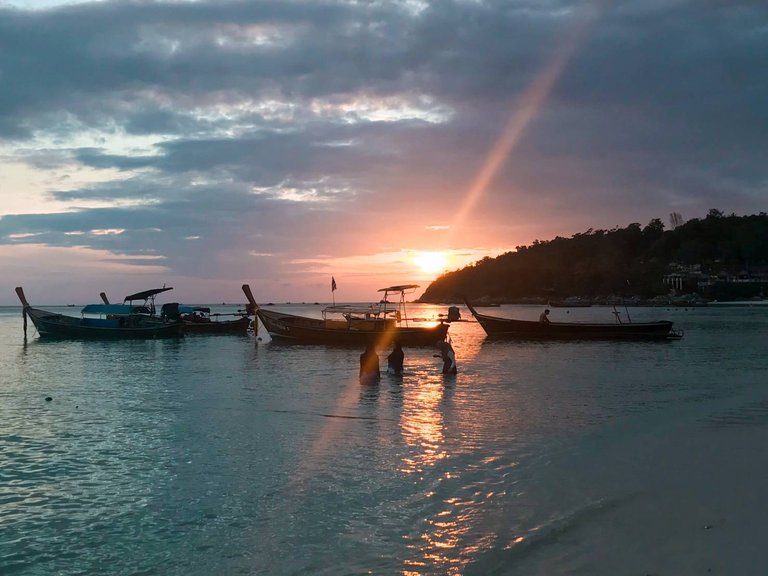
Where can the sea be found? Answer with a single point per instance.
(234, 455)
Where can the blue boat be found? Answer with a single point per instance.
(195, 319)
(104, 321)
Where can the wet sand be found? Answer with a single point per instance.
(694, 503)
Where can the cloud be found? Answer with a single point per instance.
(351, 128)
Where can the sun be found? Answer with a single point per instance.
(431, 262)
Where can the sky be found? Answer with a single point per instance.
(280, 143)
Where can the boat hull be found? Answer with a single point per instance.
(507, 328)
(300, 329)
(53, 325)
(239, 326)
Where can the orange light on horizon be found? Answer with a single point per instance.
(431, 262)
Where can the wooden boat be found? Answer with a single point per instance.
(103, 321)
(200, 320)
(508, 328)
(380, 324)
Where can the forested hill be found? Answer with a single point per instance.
(599, 263)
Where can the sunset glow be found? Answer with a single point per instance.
(284, 157)
(431, 262)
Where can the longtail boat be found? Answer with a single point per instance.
(379, 324)
(508, 328)
(102, 321)
(200, 320)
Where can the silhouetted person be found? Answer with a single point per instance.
(544, 317)
(369, 365)
(448, 356)
(395, 360)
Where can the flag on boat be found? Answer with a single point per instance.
(333, 284)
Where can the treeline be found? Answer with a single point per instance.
(620, 261)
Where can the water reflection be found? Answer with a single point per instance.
(436, 547)
(451, 539)
(443, 427)
(369, 393)
(396, 395)
(422, 426)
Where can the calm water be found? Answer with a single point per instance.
(221, 455)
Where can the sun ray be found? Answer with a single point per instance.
(526, 109)
(530, 103)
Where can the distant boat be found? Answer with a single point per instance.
(101, 321)
(380, 324)
(508, 328)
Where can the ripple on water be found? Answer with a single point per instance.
(219, 456)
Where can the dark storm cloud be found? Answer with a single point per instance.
(91, 59)
(662, 107)
(97, 159)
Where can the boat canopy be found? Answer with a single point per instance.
(357, 310)
(117, 309)
(402, 288)
(146, 294)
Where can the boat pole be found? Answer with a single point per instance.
(24, 306)
(251, 307)
(402, 306)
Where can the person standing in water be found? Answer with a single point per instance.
(369, 365)
(395, 360)
(544, 316)
(449, 357)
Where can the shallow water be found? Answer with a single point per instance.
(224, 455)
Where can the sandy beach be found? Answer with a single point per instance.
(688, 502)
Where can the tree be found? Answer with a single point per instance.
(596, 263)
(654, 227)
(675, 220)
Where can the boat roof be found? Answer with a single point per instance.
(399, 288)
(146, 294)
(356, 310)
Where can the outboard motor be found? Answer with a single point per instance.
(170, 312)
(453, 314)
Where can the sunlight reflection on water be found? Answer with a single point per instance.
(421, 425)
